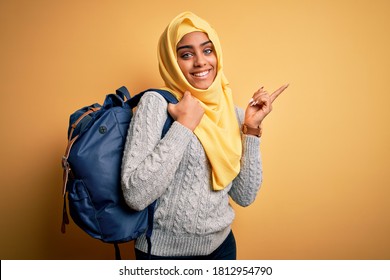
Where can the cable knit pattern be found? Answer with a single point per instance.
(190, 218)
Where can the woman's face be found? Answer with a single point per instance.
(197, 59)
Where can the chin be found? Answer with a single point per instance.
(202, 86)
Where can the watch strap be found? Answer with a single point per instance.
(256, 131)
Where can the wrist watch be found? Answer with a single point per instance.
(256, 131)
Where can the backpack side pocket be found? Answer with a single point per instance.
(82, 209)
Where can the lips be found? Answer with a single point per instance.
(201, 74)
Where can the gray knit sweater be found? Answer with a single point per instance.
(190, 218)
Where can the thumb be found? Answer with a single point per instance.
(186, 94)
(172, 110)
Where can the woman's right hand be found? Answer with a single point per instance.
(187, 111)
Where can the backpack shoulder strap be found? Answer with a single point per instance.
(169, 97)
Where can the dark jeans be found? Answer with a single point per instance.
(226, 251)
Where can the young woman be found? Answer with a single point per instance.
(209, 153)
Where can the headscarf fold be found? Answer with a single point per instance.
(218, 131)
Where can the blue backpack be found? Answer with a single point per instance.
(92, 171)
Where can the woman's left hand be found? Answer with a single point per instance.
(260, 106)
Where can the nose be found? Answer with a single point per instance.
(199, 60)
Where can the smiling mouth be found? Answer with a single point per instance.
(201, 74)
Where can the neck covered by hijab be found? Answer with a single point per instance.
(218, 130)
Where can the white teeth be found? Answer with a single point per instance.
(202, 74)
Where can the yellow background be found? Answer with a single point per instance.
(325, 146)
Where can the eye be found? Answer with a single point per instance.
(186, 55)
(208, 51)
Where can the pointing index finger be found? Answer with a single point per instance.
(277, 92)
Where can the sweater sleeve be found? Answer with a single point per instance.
(149, 163)
(247, 184)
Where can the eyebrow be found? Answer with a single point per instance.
(191, 47)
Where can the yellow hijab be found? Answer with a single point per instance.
(218, 130)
